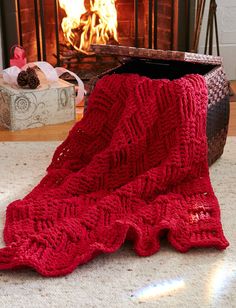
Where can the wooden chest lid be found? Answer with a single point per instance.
(144, 53)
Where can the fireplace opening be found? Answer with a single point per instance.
(94, 23)
(61, 31)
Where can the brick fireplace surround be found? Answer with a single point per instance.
(125, 10)
(23, 13)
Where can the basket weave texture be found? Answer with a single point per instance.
(209, 66)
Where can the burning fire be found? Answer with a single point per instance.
(95, 25)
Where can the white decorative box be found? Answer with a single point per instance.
(26, 108)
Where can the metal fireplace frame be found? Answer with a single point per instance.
(182, 21)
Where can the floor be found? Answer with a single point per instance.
(232, 123)
(199, 278)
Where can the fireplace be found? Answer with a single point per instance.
(37, 26)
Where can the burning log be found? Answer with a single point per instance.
(85, 25)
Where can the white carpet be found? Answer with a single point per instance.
(200, 278)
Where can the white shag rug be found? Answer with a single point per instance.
(199, 278)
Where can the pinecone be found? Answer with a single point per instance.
(33, 81)
(31, 71)
(22, 79)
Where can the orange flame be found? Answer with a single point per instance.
(82, 27)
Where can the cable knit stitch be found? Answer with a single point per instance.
(132, 168)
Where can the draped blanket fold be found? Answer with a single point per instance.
(135, 167)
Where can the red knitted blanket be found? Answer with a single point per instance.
(133, 167)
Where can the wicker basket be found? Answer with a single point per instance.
(174, 64)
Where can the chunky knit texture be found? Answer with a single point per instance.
(133, 168)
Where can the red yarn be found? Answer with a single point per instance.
(135, 165)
